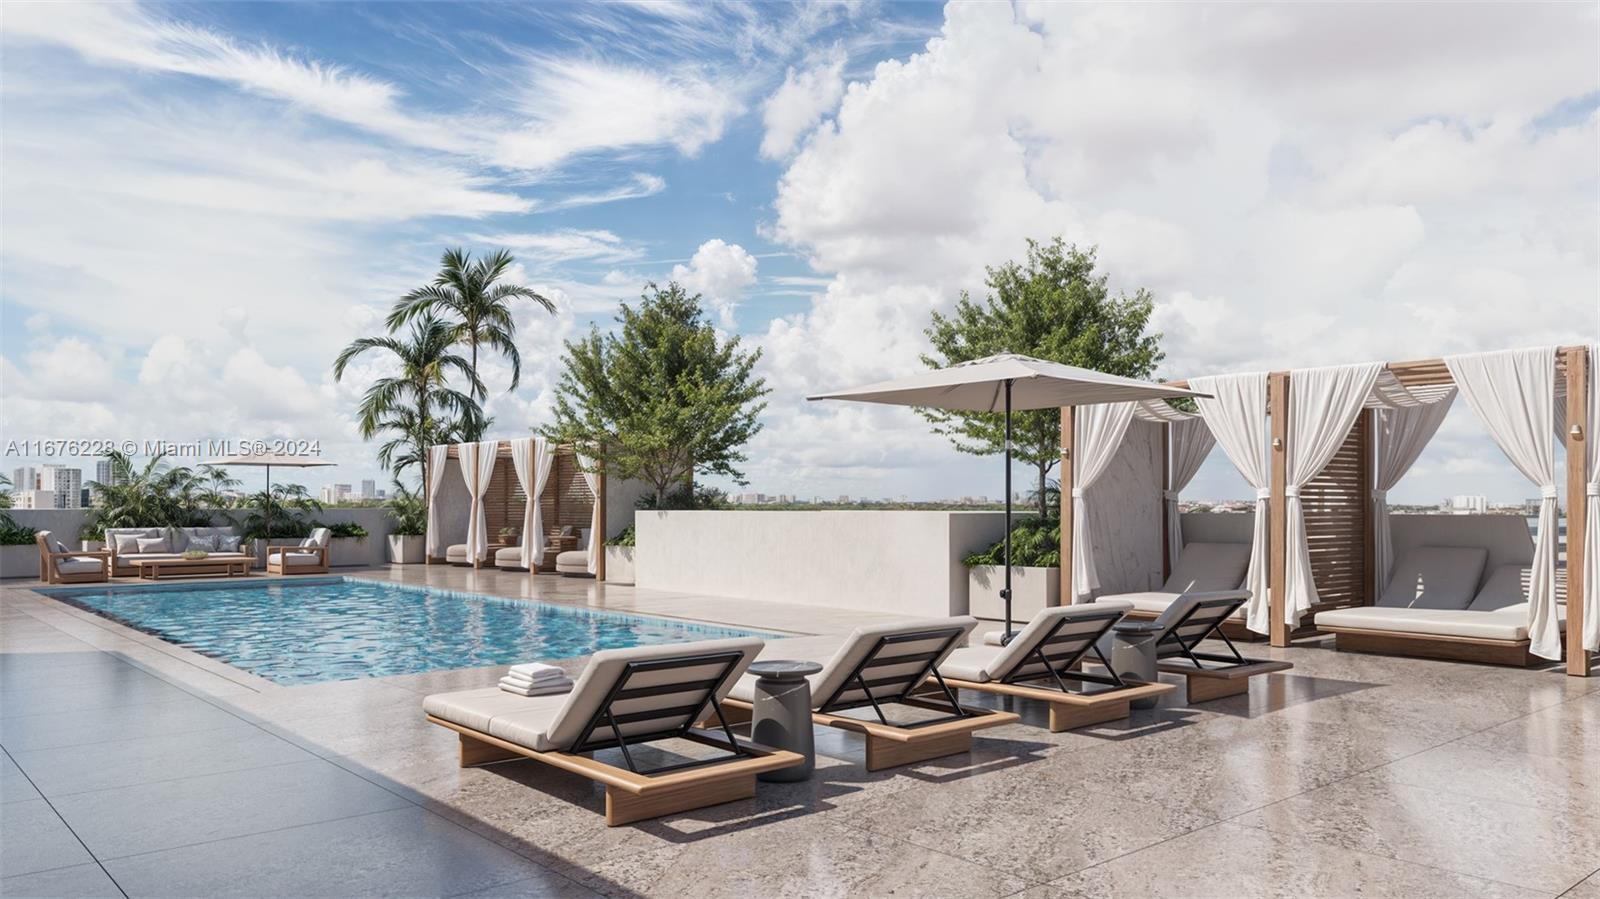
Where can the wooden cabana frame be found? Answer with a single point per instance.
(565, 502)
(1339, 526)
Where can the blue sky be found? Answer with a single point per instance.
(203, 202)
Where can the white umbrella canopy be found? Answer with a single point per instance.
(1005, 383)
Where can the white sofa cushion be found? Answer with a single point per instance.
(1206, 567)
(79, 565)
(1435, 577)
(1506, 587)
(1506, 624)
(293, 558)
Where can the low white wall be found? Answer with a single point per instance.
(896, 562)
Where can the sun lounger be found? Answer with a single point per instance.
(1196, 617)
(1202, 567)
(884, 665)
(1040, 661)
(625, 699)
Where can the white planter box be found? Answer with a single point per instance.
(19, 561)
(1032, 589)
(619, 564)
(347, 551)
(406, 549)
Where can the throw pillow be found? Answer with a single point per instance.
(62, 547)
(127, 544)
(227, 543)
(207, 542)
(153, 545)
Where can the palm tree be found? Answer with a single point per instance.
(417, 404)
(466, 290)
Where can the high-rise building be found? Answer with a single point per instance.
(66, 483)
(25, 478)
(369, 489)
(335, 493)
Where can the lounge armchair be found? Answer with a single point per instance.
(1038, 663)
(575, 562)
(59, 565)
(625, 699)
(879, 666)
(1202, 568)
(130, 546)
(309, 556)
(1179, 631)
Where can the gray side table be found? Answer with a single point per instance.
(782, 715)
(1133, 655)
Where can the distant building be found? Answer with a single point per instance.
(335, 493)
(33, 499)
(65, 483)
(369, 489)
(25, 478)
(1465, 504)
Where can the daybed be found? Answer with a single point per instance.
(510, 558)
(59, 565)
(1201, 568)
(1043, 657)
(309, 556)
(624, 699)
(129, 546)
(1435, 607)
(575, 562)
(879, 666)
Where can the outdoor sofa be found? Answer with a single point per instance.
(129, 546)
(625, 699)
(878, 666)
(59, 565)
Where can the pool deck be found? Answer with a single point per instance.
(132, 767)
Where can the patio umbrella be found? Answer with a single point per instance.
(267, 460)
(1003, 383)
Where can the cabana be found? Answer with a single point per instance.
(1322, 446)
(475, 491)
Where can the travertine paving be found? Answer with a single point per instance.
(131, 767)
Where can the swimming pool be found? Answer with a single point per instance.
(325, 629)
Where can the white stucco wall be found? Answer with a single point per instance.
(896, 562)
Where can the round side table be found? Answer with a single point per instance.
(1133, 655)
(782, 715)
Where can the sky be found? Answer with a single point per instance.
(200, 204)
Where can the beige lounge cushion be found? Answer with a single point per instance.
(986, 663)
(79, 565)
(573, 561)
(1206, 567)
(511, 555)
(1435, 577)
(1506, 587)
(293, 558)
(456, 553)
(554, 723)
(838, 654)
(1508, 624)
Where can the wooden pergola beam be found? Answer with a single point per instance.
(1278, 507)
(1066, 505)
(1579, 664)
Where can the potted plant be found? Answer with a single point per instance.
(345, 538)
(1035, 572)
(410, 514)
(619, 557)
(19, 555)
(91, 536)
(510, 536)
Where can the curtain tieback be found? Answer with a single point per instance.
(1593, 489)
(1547, 492)
(1077, 493)
(1380, 496)
(1291, 491)
(1170, 496)
(1263, 493)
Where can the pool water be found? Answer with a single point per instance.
(327, 629)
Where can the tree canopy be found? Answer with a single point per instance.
(662, 398)
(1053, 305)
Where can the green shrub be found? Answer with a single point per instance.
(13, 534)
(1035, 543)
(623, 539)
(410, 512)
(346, 529)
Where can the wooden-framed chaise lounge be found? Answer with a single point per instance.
(878, 666)
(1202, 567)
(1189, 621)
(1040, 661)
(625, 699)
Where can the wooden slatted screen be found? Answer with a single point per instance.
(566, 500)
(1336, 511)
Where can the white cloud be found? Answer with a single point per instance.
(720, 271)
(799, 104)
(566, 245)
(642, 184)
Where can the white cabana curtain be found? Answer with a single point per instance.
(597, 540)
(1591, 529)
(1403, 432)
(1513, 392)
(1097, 432)
(1323, 405)
(1236, 414)
(532, 457)
(477, 469)
(1189, 442)
(437, 456)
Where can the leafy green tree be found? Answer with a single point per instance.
(1052, 306)
(416, 405)
(663, 399)
(466, 290)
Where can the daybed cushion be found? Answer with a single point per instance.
(1206, 567)
(79, 565)
(1506, 587)
(1507, 624)
(1435, 577)
(456, 553)
(573, 561)
(295, 558)
(511, 555)
(840, 653)
(554, 723)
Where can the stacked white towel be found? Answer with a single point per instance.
(536, 679)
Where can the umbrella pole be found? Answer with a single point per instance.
(1005, 592)
(268, 526)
